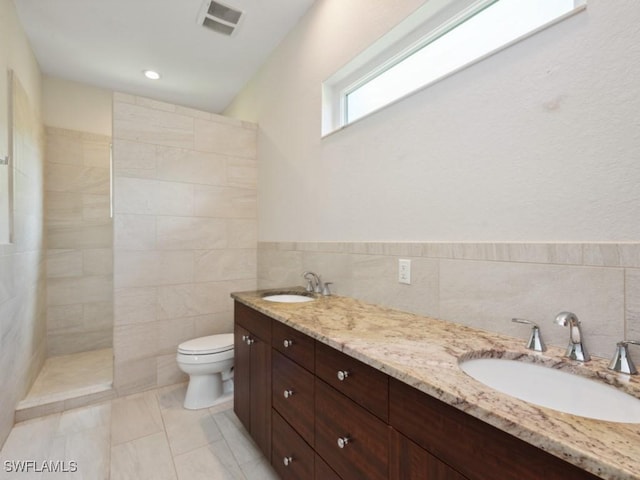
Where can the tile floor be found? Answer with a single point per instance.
(143, 436)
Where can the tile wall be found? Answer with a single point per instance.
(185, 232)
(79, 241)
(482, 285)
(22, 266)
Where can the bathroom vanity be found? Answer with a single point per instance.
(341, 389)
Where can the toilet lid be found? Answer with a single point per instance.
(205, 345)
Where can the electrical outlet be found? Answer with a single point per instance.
(404, 271)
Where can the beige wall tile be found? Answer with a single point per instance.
(134, 159)
(180, 233)
(96, 208)
(181, 165)
(242, 233)
(278, 268)
(134, 375)
(181, 301)
(69, 343)
(63, 146)
(133, 342)
(80, 236)
(213, 265)
(242, 172)
(64, 263)
(632, 313)
(65, 317)
(63, 208)
(225, 202)
(168, 371)
(145, 125)
(96, 153)
(72, 178)
(151, 197)
(66, 291)
(148, 268)
(135, 305)
(134, 232)
(213, 323)
(173, 332)
(488, 294)
(97, 261)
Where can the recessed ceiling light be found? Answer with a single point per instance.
(150, 74)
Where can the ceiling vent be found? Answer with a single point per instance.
(219, 17)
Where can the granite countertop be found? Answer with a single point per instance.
(424, 353)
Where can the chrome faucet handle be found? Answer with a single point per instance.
(621, 361)
(535, 342)
(576, 349)
(313, 282)
(326, 291)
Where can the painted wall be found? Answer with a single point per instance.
(499, 183)
(537, 143)
(76, 106)
(79, 241)
(185, 232)
(22, 266)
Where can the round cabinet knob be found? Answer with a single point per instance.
(288, 393)
(245, 338)
(250, 340)
(287, 461)
(342, 374)
(287, 343)
(343, 441)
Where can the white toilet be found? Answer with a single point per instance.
(208, 361)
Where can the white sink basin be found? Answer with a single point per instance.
(555, 389)
(288, 298)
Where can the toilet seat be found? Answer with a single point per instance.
(207, 345)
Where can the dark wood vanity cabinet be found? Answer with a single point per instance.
(252, 374)
(318, 413)
(475, 449)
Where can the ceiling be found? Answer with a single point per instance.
(108, 44)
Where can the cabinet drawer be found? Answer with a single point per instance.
(366, 453)
(291, 457)
(292, 389)
(257, 323)
(474, 448)
(363, 384)
(323, 471)
(294, 344)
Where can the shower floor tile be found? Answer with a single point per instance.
(68, 381)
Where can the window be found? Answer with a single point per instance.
(451, 35)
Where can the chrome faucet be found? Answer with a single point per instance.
(314, 284)
(576, 349)
(535, 342)
(621, 361)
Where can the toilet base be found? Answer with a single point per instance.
(205, 391)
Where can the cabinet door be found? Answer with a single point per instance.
(261, 394)
(242, 376)
(410, 462)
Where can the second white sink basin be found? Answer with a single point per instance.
(288, 298)
(555, 389)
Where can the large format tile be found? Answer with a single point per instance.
(147, 458)
(134, 417)
(214, 461)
